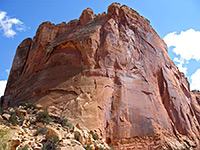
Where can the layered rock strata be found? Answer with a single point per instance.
(111, 73)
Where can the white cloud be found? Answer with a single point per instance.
(186, 45)
(195, 78)
(6, 24)
(2, 86)
(182, 69)
(180, 65)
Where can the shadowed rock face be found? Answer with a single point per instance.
(110, 72)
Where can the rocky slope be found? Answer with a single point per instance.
(29, 127)
(111, 73)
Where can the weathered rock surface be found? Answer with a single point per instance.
(111, 73)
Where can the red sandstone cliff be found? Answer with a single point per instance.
(110, 72)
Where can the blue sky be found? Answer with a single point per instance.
(176, 21)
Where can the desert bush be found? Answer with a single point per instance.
(13, 118)
(70, 125)
(64, 122)
(94, 135)
(88, 147)
(20, 120)
(24, 148)
(76, 135)
(52, 143)
(41, 130)
(28, 104)
(43, 117)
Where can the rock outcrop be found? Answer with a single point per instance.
(111, 73)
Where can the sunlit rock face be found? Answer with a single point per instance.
(110, 72)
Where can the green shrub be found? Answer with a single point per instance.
(64, 122)
(1, 110)
(43, 117)
(21, 119)
(24, 148)
(94, 135)
(13, 118)
(88, 147)
(76, 135)
(70, 125)
(41, 130)
(28, 104)
(52, 143)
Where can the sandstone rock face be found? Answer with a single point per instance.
(111, 73)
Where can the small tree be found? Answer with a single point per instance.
(43, 117)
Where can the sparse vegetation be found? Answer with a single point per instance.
(41, 130)
(28, 127)
(52, 143)
(94, 135)
(43, 117)
(70, 125)
(21, 119)
(64, 122)
(88, 147)
(28, 104)
(13, 118)
(76, 135)
(24, 148)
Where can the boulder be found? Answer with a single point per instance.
(38, 106)
(39, 124)
(54, 132)
(21, 112)
(6, 116)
